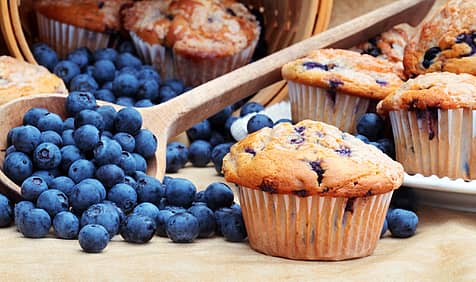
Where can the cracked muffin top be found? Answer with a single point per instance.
(194, 28)
(94, 15)
(442, 90)
(310, 158)
(344, 70)
(447, 42)
(18, 79)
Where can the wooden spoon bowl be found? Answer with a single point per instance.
(177, 115)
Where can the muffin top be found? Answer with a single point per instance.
(94, 15)
(18, 78)
(344, 70)
(447, 42)
(310, 158)
(442, 90)
(194, 28)
(389, 45)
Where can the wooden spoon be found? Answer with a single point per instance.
(177, 115)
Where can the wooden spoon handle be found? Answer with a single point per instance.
(181, 113)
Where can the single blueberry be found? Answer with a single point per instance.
(146, 143)
(183, 228)
(21, 208)
(17, 166)
(218, 195)
(371, 126)
(124, 196)
(127, 163)
(96, 185)
(128, 120)
(51, 137)
(102, 214)
(219, 215)
(127, 141)
(149, 189)
(144, 103)
(52, 201)
(89, 117)
(105, 95)
(138, 229)
(66, 70)
(78, 101)
(105, 54)
(148, 73)
(66, 225)
(69, 154)
(402, 223)
(219, 119)
(83, 82)
(233, 227)
(127, 60)
(32, 116)
(176, 156)
(258, 122)
(218, 153)
(84, 195)
(206, 220)
(166, 93)
(141, 163)
(115, 208)
(200, 131)
(180, 192)
(199, 153)
(50, 121)
(148, 89)
(110, 175)
(107, 151)
(251, 107)
(104, 71)
(108, 114)
(6, 213)
(64, 184)
(86, 137)
(93, 238)
(80, 57)
(26, 138)
(45, 56)
(67, 137)
(81, 169)
(147, 209)
(35, 223)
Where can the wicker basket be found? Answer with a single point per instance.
(286, 22)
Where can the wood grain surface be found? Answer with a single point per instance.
(442, 250)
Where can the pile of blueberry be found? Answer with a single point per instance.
(85, 176)
(370, 129)
(116, 76)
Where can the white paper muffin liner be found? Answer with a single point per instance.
(437, 142)
(313, 227)
(335, 108)
(64, 38)
(192, 71)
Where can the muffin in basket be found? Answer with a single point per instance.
(196, 40)
(434, 124)
(18, 79)
(389, 45)
(447, 42)
(69, 24)
(337, 86)
(312, 192)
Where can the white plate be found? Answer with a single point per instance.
(443, 192)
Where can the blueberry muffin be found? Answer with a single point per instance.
(389, 45)
(18, 79)
(434, 124)
(195, 40)
(69, 24)
(312, 192)
(337, 86)
(447, 42)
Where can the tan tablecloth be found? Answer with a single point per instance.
(443, 249)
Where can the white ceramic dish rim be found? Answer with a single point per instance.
(444, 184)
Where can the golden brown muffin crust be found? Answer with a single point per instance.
(94, 15)
(447, 42)
(344, 70)
(18, 79)
(310, 158)
(194, 28)
(433, 90)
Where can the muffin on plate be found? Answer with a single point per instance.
(195, 40)
(18, 79)
(337, 86)
(389, 45)
(434, 124)
(69, 24)
(309, 191)
(447, 42)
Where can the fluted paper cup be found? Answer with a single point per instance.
(64, 38)
(436, 142)
(332, 107)
(192, 71)
(313, 227)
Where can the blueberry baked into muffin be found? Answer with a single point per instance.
(447, 42)
(434, 124)
(310, 191)
(18, 79)
(337, 86)
(201, 39)
(389, 45)
(69, 24)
